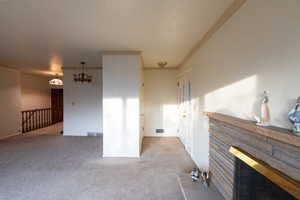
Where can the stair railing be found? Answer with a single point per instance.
(35, 119)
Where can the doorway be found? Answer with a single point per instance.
(184, 104)
(57, 105)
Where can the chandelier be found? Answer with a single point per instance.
(56, 81)
(82, 76)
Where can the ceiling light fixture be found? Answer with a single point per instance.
(82, 77)
(56, 81)
(162, 64)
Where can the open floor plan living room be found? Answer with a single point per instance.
(149, 100)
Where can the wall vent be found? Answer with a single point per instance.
(159, 130)
(94, 134)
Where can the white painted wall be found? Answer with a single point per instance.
(161, 110)
(257, 50)
(35, 91)
(142, 106)
(10, 102)
(82, 104)
(121, 105)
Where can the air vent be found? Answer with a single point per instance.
(159, 131)
(94, 134)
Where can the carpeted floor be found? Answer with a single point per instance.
(71, 168)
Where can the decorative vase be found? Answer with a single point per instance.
(294, 117)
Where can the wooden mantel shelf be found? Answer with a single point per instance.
(276, 133)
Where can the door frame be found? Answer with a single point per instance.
(184, 108)
(57, 105)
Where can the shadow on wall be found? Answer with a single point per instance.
(236, 99)
(241, 99)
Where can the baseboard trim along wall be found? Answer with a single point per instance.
(9, 136)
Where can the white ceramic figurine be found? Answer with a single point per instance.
(264, 120)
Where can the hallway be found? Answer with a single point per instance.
(72, 168)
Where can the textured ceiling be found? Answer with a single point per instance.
(43, 35)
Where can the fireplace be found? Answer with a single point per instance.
(251, 185)
(251, 182)
(248, 162)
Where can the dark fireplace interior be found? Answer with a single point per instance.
(251, 185)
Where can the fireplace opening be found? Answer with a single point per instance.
(251, 185)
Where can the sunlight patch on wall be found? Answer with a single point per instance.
(236, 99)
(121, 126)
(169, 119)
(113, 106)
(132, 115)
(113, 115)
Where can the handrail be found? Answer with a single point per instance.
(35, 118)
(31, 113)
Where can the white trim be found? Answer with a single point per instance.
(9, 136)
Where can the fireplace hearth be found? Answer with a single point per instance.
(248, 162)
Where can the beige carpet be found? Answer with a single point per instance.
(71, 168)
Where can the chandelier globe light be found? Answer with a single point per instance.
(56, 81)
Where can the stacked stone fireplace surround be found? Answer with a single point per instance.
(279, 148)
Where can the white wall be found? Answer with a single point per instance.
(121, 105)
(257, 50)
(161, 102)
(142, 106)
(35, 91)
(82, 104)
(10, 102)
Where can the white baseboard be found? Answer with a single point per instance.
(160, 136)
(8, 136)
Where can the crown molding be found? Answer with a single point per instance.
(229, 12)
(31, 71)
(9, 67)
(142, 61)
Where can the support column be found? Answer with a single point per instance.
(121, 104)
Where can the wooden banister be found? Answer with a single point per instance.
(35, 119)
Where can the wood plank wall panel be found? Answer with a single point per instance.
(281, 156)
